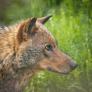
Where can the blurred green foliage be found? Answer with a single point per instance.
(71, 25)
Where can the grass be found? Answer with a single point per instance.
(71, 25)
(72, 34)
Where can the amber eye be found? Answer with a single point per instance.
(49, 47)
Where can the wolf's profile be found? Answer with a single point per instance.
(26, 48)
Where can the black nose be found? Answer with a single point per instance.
(73, 65)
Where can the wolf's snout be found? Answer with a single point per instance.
(73, 65)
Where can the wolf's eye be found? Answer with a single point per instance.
(49, 47)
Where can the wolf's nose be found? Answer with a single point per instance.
(73, 65)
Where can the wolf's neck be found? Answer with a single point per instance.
(7, 41)
(16, 84)
(15, 79)
(7, 49)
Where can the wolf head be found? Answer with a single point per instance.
(37, 48)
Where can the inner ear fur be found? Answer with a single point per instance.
(26, 29)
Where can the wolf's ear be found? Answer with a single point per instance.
(31, 26)
(26, 30)
(43, 20)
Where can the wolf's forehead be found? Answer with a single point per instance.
(41, 27)
(44, 29)
(45, 34)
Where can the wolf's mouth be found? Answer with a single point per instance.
(62, 72)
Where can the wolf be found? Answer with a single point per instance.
(27, 48)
